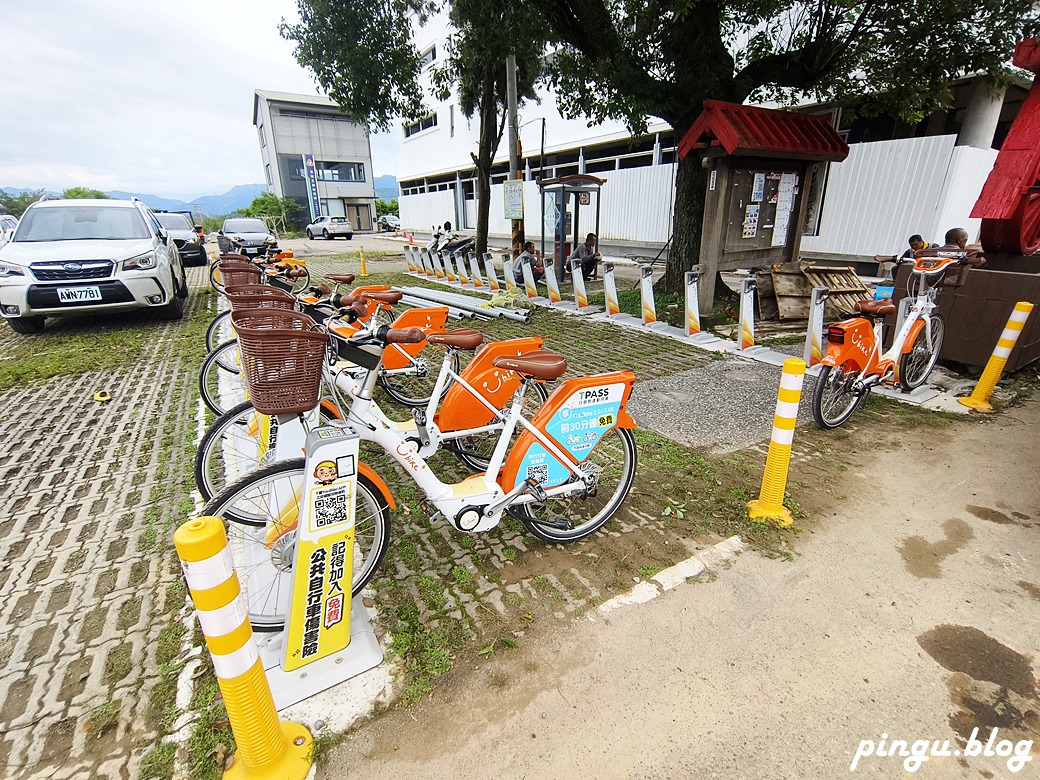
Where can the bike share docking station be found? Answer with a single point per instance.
(327, 637)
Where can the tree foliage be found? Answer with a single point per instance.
(270, 205)
(83, 192)
(634, 59)
(15, 205)
(386, 207)
(362, 54)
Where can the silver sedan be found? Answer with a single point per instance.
(331, 227)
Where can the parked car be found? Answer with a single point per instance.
(389, 222)
(185, 236)
(7, 224)
(245, 236)
(88, 256)
(330, 227)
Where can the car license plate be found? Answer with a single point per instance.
(251, 250)
(78, 294)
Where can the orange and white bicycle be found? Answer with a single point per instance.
(855, 361)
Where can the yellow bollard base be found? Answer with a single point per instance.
(974, 403)
(295, 764)
(758, 510)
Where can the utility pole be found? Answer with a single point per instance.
(515, 154)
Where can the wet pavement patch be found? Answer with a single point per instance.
(1030, 588)
(923, 558)
(992, 685)
(986, 513)
(968, 650)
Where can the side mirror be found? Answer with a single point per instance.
(8, 234)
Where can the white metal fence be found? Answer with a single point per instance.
(884, 192)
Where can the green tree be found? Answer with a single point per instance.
(270, 205)
(15, 205)
(633, 59)
(386, 207)
(363, 56)
(83, 192)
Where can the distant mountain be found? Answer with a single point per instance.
(238, 197)
(386, 187)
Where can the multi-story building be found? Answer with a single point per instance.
(297, 132)
(899, 179)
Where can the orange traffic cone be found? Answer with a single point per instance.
(411, 237)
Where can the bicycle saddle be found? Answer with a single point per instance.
(390, 296)
(340, 278)
(462, 338)
(876, 308)
(546, 365)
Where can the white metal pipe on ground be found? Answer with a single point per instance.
(466, 303)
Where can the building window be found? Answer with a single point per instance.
(451, 115)
(428, 57)
(423, 124)
(340, 171)
(267, 170)
(263, 139)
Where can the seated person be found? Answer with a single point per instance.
(956, 241)
(534, 257)
(588, 255)
(889, 263)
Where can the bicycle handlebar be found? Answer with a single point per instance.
(402, 335)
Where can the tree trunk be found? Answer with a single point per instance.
(489, 139)
(690, 182)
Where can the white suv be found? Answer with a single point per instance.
(88, 256)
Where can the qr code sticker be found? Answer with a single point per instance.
(539, 474)
(330, 506)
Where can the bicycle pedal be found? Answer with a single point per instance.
(431, 512)
(535, 489)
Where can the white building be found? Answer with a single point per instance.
(290, 128)
(898, 179)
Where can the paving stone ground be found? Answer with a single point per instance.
(83, 582)
(92, 493)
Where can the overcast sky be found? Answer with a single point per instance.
(142, 96)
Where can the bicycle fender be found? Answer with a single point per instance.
(911, 337)
(379, 484)
(576, 416)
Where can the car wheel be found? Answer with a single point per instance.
(325, 234)
(349, 236)
(182, 290)
(27, 325)
(174, 310)
(310, 235)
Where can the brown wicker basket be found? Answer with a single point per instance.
(235, 274)
(282, 357)
(258, 296)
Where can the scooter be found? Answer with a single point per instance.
(447, 241)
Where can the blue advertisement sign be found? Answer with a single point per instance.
(312, 186)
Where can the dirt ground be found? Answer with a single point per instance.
(908, 612)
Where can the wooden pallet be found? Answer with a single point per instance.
(846, 288)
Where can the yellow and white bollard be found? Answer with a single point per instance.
(610, 290)
(507, 272)
(267, 748)
(646, 294)
(361, 250)
(770, 502)
(979, 398)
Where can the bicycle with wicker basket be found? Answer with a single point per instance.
(564, 476)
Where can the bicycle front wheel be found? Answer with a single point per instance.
(413, 385)
(265, 568)
(834, 399)
(238, 443)
(562, 520)
(917, 364)
(220, 384)
(219, 331)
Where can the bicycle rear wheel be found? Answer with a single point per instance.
(562, 520)
(220, 384)
(265, 569)
(917, 364)
(834, 399)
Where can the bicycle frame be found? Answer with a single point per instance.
(857, 341)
